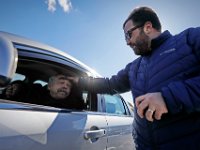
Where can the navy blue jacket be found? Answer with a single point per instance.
(173, 68)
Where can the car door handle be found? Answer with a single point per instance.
(94, 134)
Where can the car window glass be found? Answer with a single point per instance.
(114, 105)
(40, 82)
(17, 76)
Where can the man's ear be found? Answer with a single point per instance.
(148, 27)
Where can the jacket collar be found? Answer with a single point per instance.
(155, 43)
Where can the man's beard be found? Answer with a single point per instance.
(62, 93)
(142, 45)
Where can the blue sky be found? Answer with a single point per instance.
(91, 30)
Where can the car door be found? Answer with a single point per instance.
(25, 126)
(120, 122)
(30, 126)
(35, 127)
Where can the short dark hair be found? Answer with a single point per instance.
(141, 15)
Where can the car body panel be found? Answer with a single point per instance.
(118, 132)
(48, 129)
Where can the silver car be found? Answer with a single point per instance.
(105, 123)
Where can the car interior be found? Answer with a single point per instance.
(35, 73)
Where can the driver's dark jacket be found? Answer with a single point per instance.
(68, 103)
(172, 68)
(73, 101)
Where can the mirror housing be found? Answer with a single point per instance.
(8, 61)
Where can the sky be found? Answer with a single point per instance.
(91, 30)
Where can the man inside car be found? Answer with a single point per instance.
(62, 93)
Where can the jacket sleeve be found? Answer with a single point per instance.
(116, 84)
(185, 95)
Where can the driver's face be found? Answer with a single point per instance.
(60, 88)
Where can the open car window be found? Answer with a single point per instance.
(33, 74)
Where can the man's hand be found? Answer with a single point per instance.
(74, 79)
(151, 105)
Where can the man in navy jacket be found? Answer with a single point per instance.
(164, 81)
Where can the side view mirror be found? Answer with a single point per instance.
(8, 60)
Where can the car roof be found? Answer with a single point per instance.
(22, 41)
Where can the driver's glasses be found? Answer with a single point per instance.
(128, 34)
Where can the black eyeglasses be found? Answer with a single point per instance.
(128, 34)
